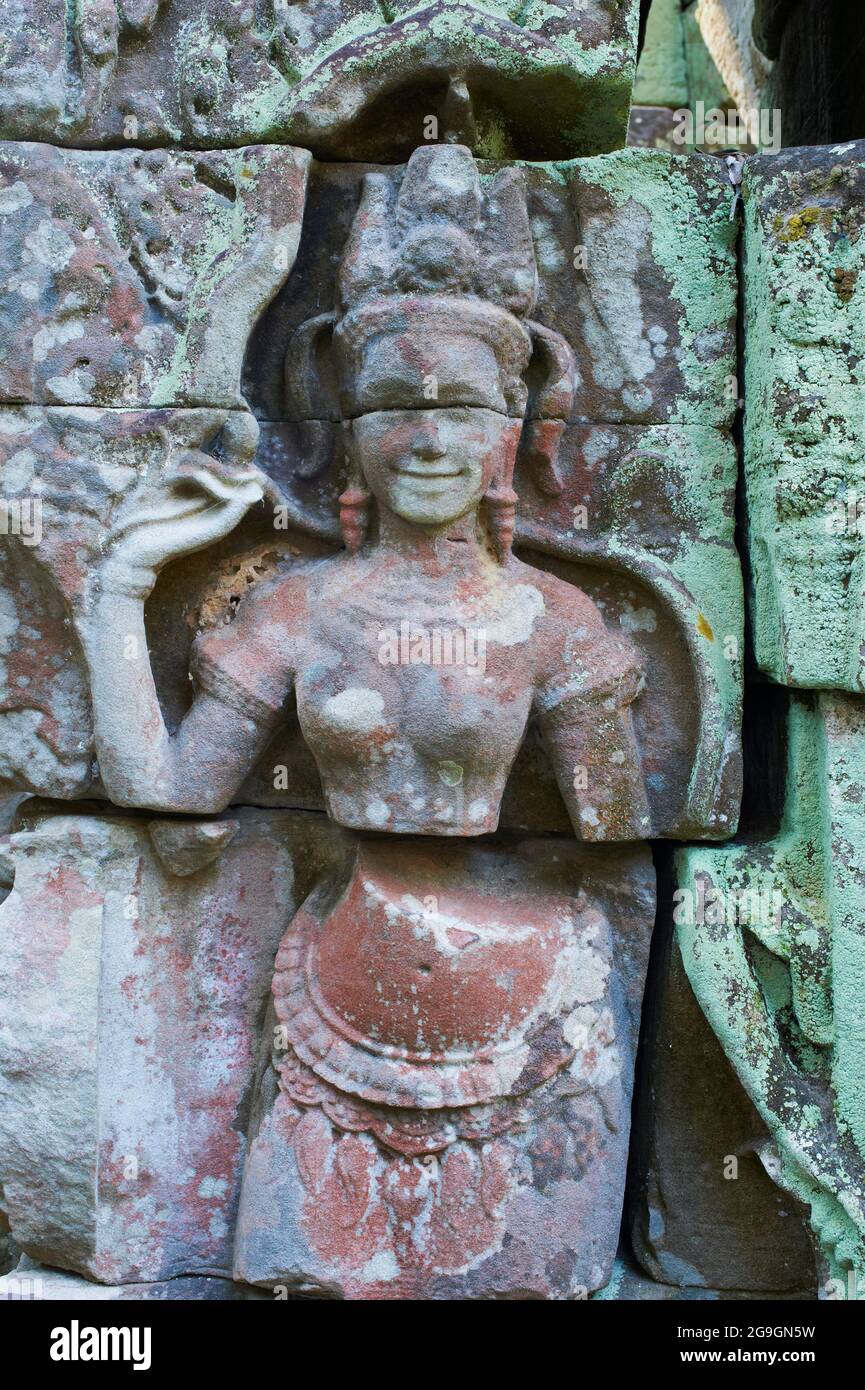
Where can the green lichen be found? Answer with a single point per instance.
(804, 422)
(694, 243)
(662, 73)
(796, 1038)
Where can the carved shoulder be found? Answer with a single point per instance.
(249, 662)
(576, 651)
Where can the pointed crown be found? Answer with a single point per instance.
(444, 265)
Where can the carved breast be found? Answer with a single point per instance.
(414, 724)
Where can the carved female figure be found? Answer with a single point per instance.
(417, 654)
(440, 999)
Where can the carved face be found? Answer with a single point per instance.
(433, 466)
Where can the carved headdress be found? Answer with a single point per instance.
(435, 290)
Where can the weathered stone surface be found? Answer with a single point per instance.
(773, 949)
(655, 128)
(347, 79)
(681, 102)
(66, 474)
(417, 1137)
(659, 561)
(796, 57)
(769, 20)
(814, 77)
(804, 442)
(185, 847)
(705, 82)
(450, 722)
(30, 1281)
(446, 1109)
(626, 217)
(636, 268)
(133, 278)
(695, 1220)
(691, 773)
(9, 1252)
(629, 1284)
(662, 72)
(130, 1021)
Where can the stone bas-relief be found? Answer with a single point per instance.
(635, 264)
(804, 294)
(442, 548)
(772, 945)
(478, 1026)
(493, 1041)
(370, 597)
(455, 1130)
(146, 947)
(351, 79)
(636, 268)
(653, 348)
(427, 516)
(133, 278)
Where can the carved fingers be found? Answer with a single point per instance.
(198, 500)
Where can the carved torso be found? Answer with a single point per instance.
(413, 702)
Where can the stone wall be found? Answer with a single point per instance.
(430, 656)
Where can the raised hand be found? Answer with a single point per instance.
(195, 501)
(180, 506)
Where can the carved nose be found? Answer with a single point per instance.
(428, 446)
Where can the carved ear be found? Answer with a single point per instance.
(552, 381)
(311, 396)
(310, 373)
(552, 375)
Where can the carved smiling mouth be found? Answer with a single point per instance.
(437, 468)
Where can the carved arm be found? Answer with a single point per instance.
(199, 768)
